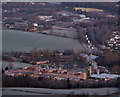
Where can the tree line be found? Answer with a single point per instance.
(40, 82)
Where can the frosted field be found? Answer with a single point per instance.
(43, 91)
(25, 41)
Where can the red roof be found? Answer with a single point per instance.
(31, 68)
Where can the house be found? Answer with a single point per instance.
(83, 55)
(92, 57)
(51, 70)
(58, 53)
(39, 62)
(62, 71)
(65, 76)
(30, 68)
(110, 44)
(18, 72)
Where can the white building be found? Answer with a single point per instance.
(35, 24)
(82, 15)
(44, 17)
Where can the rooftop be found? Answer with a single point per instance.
(103, 75)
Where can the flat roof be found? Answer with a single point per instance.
(103, 75)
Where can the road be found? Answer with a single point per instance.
(43, 91)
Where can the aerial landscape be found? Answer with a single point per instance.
(65, 49)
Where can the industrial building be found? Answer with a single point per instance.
(105, 76)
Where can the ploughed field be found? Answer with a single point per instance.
(13, 40)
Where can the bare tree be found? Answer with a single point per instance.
(11, 66)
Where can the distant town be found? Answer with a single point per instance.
(94, 25)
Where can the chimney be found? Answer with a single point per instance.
(90, 70)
